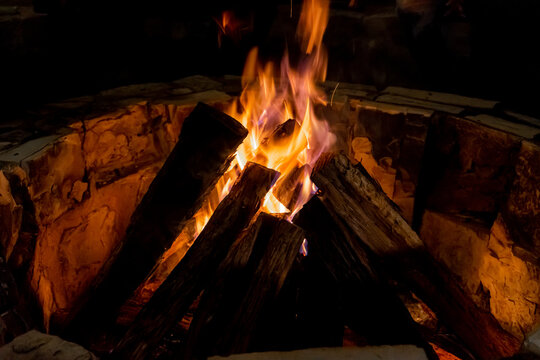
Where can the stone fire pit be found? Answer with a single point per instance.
(464, 172)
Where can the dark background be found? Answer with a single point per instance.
(69, 48)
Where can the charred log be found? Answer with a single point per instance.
(249, 279)
(353, 198)
(196, 269)
(203, 153)
(371, 307)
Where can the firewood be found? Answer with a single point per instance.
(249, 279)
(195, 270)
(307, 313)
(372, 309)
(205, 148)
(289, 186)
(351, 194)
(352, 197)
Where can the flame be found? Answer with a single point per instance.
(277, 108)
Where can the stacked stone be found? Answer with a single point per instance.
(464, 171)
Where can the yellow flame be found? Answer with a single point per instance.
(270, 99)
(285, 134)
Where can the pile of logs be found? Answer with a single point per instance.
(241, 272)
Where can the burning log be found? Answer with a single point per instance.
(195, 270)
(353, 198)
(205, 148)
(288, 187)
(371, 307)
(250, 277)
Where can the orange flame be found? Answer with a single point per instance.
(268, 103)
(284, 131)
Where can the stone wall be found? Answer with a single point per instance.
(462, 170)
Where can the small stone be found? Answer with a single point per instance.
(78, 190)
(361, 144)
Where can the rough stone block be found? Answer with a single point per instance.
(443, 98)
(71, 250)
(469, 167)
(10, 218)
(402, 100)
(36, 345)
(482, 259)
(525, 131)
(522, 209)
(397, 135)
(524, 119)
(198, 83)
(401, 352)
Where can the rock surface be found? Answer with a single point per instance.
(35, 345)
(482, 259)
(401, 352)
(92, 158)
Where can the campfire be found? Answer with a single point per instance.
(299, 214)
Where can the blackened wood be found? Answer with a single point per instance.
(371, 308)
(467, 169)
(282, 134)
(225, 291)
(249, 279)
(354, 199)
(196, 269)
(206, 146)
(289, 186)
(306, 314)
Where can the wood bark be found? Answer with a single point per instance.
(353, 198)
(371, 308)
(249, 279)
(196, 269)
(206, 146)
(289, 186)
